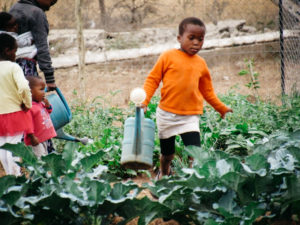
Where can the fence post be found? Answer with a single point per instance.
(282, 69)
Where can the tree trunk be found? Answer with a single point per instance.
(81, 48)
(102, 13)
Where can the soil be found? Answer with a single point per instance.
(113, 81)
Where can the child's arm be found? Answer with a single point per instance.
(47, 105)
(153, 80)
(224, 113)
(207, 91)
(33, 139)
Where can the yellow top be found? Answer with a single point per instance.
(186, 82)
(14, 88)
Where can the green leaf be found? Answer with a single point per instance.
(233, 180)
(243, 72)
(253, 210)
(22, 151)
(200, 156)
(227, 205)
(211, 222)
(8, 219)
(293, 192)
(97, 192)
(120, 192)
(55, 163)
(256, 164)
(91, 160)
(69, 154)
(146, 209)
(242, 127)
(281, 161)
(6, 182)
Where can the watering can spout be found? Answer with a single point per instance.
(61, 115)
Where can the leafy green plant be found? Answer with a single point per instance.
(254, 82)
(247, 167)
(222, 189)
(249, 123)
(66, 187)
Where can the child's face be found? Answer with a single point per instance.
(192, 39)
(11, 53)
(12, 25)
(38, 91)
(46, 4)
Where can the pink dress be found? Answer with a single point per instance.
(15, 123)
(43, 127)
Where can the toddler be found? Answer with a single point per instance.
(43, 129)
(15, 100)
(186, 82)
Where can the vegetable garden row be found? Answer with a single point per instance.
(247, 171)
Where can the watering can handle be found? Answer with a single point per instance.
(61, 96)
(138, 131)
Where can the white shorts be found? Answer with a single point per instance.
(170, 124)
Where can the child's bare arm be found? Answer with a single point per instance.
(47, 103)
(33, 139)
(144, 107)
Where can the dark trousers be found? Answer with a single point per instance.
(167, 146)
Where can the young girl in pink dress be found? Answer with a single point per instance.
(15, 100)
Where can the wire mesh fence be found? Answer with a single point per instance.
(126, 37)
(236, 31)
(289, 17)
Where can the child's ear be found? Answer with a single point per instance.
(6, 51)
(178, 38)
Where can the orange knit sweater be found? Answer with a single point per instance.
(186, 81)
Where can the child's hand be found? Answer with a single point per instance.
(227, 111)
(47, 104)
(33, 139)
(144, 107)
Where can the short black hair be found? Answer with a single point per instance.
(33, 80)
(4, 19)
(189, 20)
(6, 41)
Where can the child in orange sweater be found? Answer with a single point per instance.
(186, 82)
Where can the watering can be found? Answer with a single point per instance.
(138, 141)
(61, 115)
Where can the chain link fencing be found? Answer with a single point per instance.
(126, 36)
(289, 17)
(237, 31)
